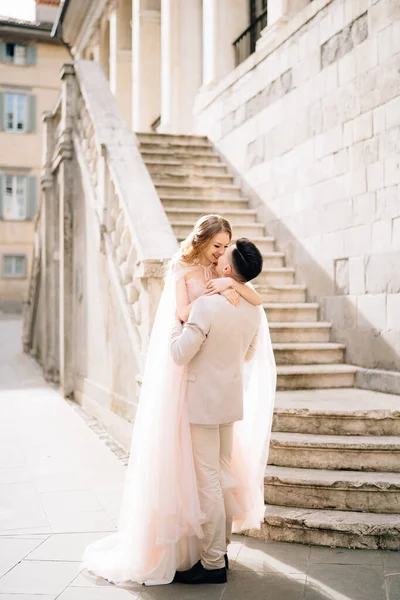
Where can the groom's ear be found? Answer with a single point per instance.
(228, 270)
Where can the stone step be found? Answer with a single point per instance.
(172, 147)
(335, 452)
(184, 156)
(337, 412)
(166, 189)
(298, 377)
(333, 490)
(282, 293)
(309, 354)
(299, 312)
(345, 529)
(189, 178)
(194, 153)
(161, 139)
(193, 214)
(276, 275)
(207, 205)
(182, 229)
(177, 167)
(300, 332)
(264, 243)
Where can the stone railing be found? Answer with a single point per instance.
(31, 300)
(134, 231)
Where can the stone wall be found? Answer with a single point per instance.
(311, 121)
(105, 367)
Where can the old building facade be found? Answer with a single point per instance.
(282, 115)
(30, 61)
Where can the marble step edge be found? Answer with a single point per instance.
(332, 479)
(322, 527)
(291, 305)
(300, 325)
(251, 225)
(305, 346)
(178, 163)
(339, 442)
(378, 414)
(245, 212)
(198, 186)
(184, 140)
(334, 369)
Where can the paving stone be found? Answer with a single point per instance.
(109, 593)
(391, 562)
(343, 556)
(256, 586)
(63, 547)
(35, 577)
(356, 582)
(393, 586)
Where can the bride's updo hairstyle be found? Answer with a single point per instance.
(204, 230)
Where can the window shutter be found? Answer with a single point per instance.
(1, 111)
(31, 110)
(31, 55)
(1, 194)
(32, 193)
(3, 56)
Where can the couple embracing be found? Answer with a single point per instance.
(201, 434)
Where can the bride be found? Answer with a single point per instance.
(160, 520)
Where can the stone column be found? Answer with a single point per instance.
(49, 270)
(66, 181)
(210, 42)
(181, 63)
(279, 12)
(146, 63)
(223, 22)
(121, 56)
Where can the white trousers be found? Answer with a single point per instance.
(212, 445)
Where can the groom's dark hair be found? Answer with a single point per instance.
(247, 260)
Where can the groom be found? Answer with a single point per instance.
(215, 342)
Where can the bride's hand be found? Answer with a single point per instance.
(217, 286)
(232, 296)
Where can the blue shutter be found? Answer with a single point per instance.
(32, 195)
(3, 56)
(2, 183)
(31, 55)
(31, 112)
(2, 108)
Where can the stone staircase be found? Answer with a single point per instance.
(334, 467)
(191, 180)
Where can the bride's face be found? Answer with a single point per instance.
(216, 247)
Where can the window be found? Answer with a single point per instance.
(15, 198)
(18, 197)
(14, 266)
(16, 117)
(245, 44)
(16, 53)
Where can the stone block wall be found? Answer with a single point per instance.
(312, 124)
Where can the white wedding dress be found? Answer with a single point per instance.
(161, 520)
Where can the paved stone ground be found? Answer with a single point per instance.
(60, 488)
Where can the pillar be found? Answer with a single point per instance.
(120, 58)
(66, 186)
(181, 63)
(146, 63)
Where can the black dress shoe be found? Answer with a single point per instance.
(198, 574)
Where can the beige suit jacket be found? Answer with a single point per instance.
(215, 343)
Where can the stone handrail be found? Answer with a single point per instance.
(134, 227)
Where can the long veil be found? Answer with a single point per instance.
(160, 518)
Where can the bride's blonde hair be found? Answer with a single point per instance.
(203, 231)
